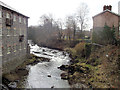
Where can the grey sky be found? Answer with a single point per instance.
(59, 8)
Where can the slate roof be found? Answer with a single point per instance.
(9, 7)
(107, 11)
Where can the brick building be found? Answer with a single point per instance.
(13, 37)
(107, 17)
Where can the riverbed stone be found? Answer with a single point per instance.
(12, 77)
(49, 75)
(64, 76)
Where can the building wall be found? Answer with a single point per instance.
(108, 19)
(0, 43)
(13, 52)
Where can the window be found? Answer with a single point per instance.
(7, 15)
(0, 30)
(24, 21)
(14, 18)
(21, 38)
(0, 14)
(1, 50)
(8, 50)
(15, 32)
(20, 20)
(15, 47)
(8, 31)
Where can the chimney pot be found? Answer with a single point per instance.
(110, 7)
(104, 8)
(107, 7)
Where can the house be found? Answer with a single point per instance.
(107, 17)
(13, 37)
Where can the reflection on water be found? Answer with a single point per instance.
(46, 74)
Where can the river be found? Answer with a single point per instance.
(47, 74)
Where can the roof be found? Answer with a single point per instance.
(8, 7)
(107, 11)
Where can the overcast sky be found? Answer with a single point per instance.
(59, 8)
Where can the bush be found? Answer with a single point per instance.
(80, 49)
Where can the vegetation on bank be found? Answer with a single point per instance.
(106, 36)
(94, 66)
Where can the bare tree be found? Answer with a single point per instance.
(59, 25)
(82, 15)
(71, 25)
(46, 19)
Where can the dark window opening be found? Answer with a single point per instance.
(21, 38)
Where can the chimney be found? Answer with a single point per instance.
(106, 7)
(110, 7)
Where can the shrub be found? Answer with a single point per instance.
(80, 49)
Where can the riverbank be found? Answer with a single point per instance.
(100, 69)
(39, 69)
(13, 78)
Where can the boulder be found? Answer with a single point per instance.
(11, 77)
(64, 76)
(49, 75)
(63, 67)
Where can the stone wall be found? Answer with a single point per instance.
(14, 51)
(12, 64)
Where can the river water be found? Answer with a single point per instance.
(38, 74)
